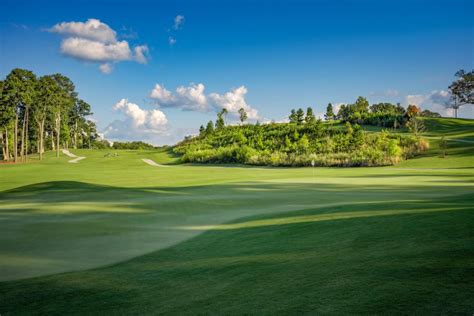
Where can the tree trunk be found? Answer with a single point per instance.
(7, 149)
(53, 147)
(3, 145)
(15, 139)
(75, 136)
(40, 139)
(22, 145)
(58, 131)
(455, 112)
(26, 134)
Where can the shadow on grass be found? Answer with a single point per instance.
(402, 263)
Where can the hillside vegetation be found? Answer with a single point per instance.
(305, 140)
(299, 145)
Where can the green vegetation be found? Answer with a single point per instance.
(113, 235)
(40, 114)
(132, 145)
(306, 141)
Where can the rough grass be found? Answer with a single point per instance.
(115, 235)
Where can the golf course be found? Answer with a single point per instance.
(140, 232)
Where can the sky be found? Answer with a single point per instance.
(157, 70)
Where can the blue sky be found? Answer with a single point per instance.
(268, 56)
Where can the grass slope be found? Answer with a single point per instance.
(205, 239)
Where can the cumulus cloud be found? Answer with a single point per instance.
(95, 41)
(85, 49)
(139, 118)
(194, 98)
(435, 101)
(178, 22)
(138, 124)
(92, 29)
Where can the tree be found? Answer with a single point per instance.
(18, 93)
(343, 113)
(202, 130)
(7, 115)
(443, 145)
(220, 121)
(413, 110)
(242, 115)
(329, 116)
(77, 119)
(428, 113)
(303, 144)
(209, 128)
(361, 105)
(310, 118)
(224, 114)
(415, 125)
(462, 90)
(292, 117)
(299, 116)
(66, 99)
(46, 99)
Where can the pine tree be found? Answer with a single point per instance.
(329, 116)
(209, 128)
(310, 118)
(300, 116)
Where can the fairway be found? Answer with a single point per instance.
(113, 234)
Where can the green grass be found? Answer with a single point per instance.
(115, 235)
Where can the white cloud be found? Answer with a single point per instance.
(178, 22)
(106, 68)
(171, 40)
(139, 124)
(233, 101)
(95, 41)
(85, 49)
(194, 98)
(139, 118)
(92, 29)
(140, 54)
(435, 101)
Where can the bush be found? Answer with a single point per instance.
(298, 145)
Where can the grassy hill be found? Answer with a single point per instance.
(112, 234)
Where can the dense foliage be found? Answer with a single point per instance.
(381, 114)
(293, 144)
(42, 113)
(132, 145)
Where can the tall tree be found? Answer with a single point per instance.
(242, 115)
(413, 110)
(77, 119)
(47, 98)
(66, 97)
(361, 105)
(6, 117)
(329, 116)
(310, 118)
(462, 90)
(292, 116)
(209, 128)
(299, 116)
(220, 120)
(224, 114)
(18, 93)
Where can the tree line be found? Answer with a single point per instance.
(42, 113)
